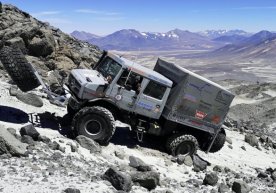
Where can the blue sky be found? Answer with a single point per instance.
(106, 16)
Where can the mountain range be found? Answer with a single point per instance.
(131, 39)
(259, 45)
(219, 43)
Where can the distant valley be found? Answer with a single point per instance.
(217, 55)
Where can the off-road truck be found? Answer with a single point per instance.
(168, 101)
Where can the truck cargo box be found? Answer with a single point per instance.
(194, 100)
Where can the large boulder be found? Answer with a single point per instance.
(240, 187)
(199, 164)
(30, 131)
(137, 163)
(17, 42)
(89, 144)
(9, 144)
(30, 99)
(251, 140)
(118, 180)
(210, 179)
(43, 44)
(148, 180)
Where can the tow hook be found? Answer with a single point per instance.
(140, 133)
(140, 130)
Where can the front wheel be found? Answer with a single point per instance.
(182, 144)
(96, 123)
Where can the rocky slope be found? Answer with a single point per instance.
(49, 161)
(46, 47)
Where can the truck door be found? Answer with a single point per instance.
(152, 98)
(125, 90)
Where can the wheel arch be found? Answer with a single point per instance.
(108, 104)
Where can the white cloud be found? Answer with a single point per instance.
(109, 18)
(46, 13)
(98, 12)
(57, 21)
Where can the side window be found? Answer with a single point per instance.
(155, 90)
(131, 81)
(122, 80)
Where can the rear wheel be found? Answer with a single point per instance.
(96, 123)
(17, 66)
(219, 142)
(182, 144)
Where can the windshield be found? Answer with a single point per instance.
(109, 67)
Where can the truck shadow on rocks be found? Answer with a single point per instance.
(13, 115)
(51, 121)
(124, 137)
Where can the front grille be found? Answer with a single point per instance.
(73, 84)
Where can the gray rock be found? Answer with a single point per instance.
(188, 161)
(73, 148)
(9, 144)
(228, 140)
(120, 154)
(13, 90)
(226, 170)
(180, 159)
(41, 46)
(43, 139)
(199, 163)
(62, 149)
(72, 190)
(118, 180)
(210, 179)
(89, 144)
(273, 175)
(262, 175)
(137, 163)
(57, 156)
(240, 187)
(217, 168)
(54, 145)
(30, 131)
(27, 139)
(251, 140)
(12, 131)
(30, 99)
(242, 147)
(17, 42)
(148, 180)
(223, 188)
(195, 182)
(263, 139)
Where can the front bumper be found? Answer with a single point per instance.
(74, 103)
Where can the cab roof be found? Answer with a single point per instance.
(141, 70)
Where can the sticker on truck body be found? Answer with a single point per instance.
(190, 98)
(200, 114)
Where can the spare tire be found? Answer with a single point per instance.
(17, 66)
